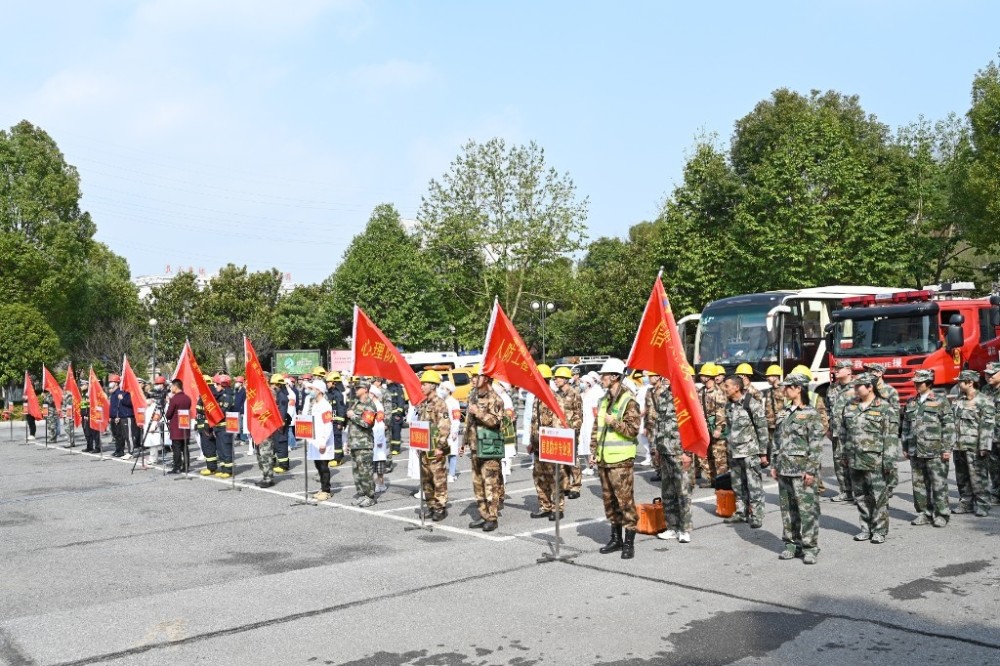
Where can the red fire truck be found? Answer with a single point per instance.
(931, 329)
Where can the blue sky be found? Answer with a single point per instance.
(264, 133)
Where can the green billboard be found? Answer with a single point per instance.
(296, 361)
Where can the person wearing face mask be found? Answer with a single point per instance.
(120, 414)
(321, 446)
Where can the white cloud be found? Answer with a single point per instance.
(258, 16)
(392, 75)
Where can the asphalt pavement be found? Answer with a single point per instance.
(99, 565)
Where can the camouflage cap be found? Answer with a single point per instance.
(968, 376)
(364, 383)
(864, 379)
(992, 368)
(796, 379)
(875, 367)
(841, 365)
(923, 376)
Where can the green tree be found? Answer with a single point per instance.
(26, 342)
(983, 181)
(237, 303)
(298, 320)
(492, 223)
(385, 272)
(820, 198)
(179, 309)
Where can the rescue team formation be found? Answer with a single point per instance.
(885, 375)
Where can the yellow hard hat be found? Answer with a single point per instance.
(773, 371)
(277, 378)
(719, 370)
(690, 369)
(563, 371)
(650, 373)
(802, 370)
(207, 378)
(707, 369)
(430, 377)
(545, 370)
(318, 371)
(744, 369)
(333, 376)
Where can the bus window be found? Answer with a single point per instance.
(986, 331)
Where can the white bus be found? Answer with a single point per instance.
(784, 328)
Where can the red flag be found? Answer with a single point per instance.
(506, 357)
(196, 387)
(262, 416)
(31, 405)
(130, 384)
(374, 356)
(50, 384)
(100, 406)
(73, 389)
(658, 348)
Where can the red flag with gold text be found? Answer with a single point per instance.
(50, 384)
(73, 389)
(130, 384)
(263, 417)
(100, 406)
(375, 356)
(31, 405)
(196, 387)
(506, 357)
(658, 348)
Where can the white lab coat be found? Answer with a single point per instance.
(322, 414)
(591, 400)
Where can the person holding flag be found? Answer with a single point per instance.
(53, 399)
(613, 448)
(32, 410)
(485, 442)
(71, 406)
(120, 413)
(362, 415)
(673, 463)
(226, 399)
(91, 437)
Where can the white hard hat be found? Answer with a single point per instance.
(613, 366)
(448, 386)
(319, 385)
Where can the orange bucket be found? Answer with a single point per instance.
(725, 503)
(651, 519)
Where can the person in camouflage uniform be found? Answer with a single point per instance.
(673, 463)
(544, 473)
(798, 447)
(838, 396)
(571, 402)
(774, 403)
(868, 431)
(713, 404)
(485, 443)
(613, 446)
(890, 396)
(992, 392)
(744, 371)
(361, 415)
(434, 463)
(266, 458)
(91, 437)
(928, 432)
(51, 417)
(68, 419)
(746, 436)
(975, 421)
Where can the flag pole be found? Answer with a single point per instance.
(423, 525)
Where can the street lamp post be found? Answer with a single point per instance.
(152, 326)
(454, 340)
(543, 309)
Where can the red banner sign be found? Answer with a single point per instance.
(420, 435)
(233, 423)
(557, 445)
(304, 427)
(184, 419)
(140, 418)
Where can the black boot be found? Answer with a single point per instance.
(616, 541)
(628, 548)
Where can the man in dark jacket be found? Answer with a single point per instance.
(179, 401)
(120, 413)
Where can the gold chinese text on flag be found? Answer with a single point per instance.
(506, 357)
(658, 348)
(375, 356)
(73, 389)
(262, 416)
(196, 387)
(50, 384)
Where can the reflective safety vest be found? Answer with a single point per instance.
(611, 446)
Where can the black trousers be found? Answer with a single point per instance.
(119, 431)
(31, 423)
(323, 467)
(180, 449)
(281, 449)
